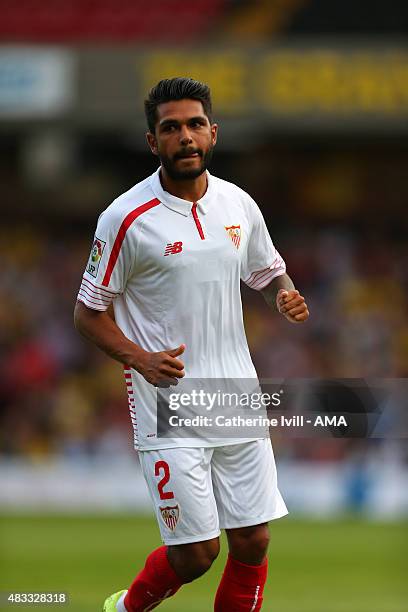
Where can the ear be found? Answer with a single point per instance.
(214, 132)
(152, 142)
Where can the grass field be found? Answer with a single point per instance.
(342, 566)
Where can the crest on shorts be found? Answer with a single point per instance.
(95, 256)
(170, 516)
(234, 232)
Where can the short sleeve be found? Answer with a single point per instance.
(109, 264)
(261, 262)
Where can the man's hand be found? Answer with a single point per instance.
(292, 305)
(161, 369)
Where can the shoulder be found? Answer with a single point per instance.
(240, 196)
(229, 189)
(128, 206)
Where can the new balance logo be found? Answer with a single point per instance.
(172, 249)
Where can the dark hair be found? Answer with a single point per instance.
(178, 88)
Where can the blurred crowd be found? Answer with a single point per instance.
(245, 20)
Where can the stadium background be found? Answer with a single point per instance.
(312, 101)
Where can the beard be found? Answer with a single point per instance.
(169, 164)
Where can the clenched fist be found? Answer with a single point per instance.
(292, 305)
(162, 369)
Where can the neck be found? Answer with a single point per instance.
(190, 189)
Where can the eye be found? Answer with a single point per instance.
(168, 128)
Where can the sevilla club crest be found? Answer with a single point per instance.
(234, 232)
(170, 516)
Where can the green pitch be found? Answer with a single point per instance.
(341, 566)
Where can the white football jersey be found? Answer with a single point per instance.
(172, 269)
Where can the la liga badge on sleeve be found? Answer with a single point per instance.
(170, 516)
(95, 256)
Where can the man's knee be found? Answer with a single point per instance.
(190, 561)
(249, 544)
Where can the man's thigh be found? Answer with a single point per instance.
(180, 486)
(245, 484)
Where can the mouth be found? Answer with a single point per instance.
(191, 155)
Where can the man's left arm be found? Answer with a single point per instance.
(281, 295)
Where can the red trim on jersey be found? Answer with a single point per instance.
(261, 276)
(255, 275)
(197, 221)
(101, 291)
(261, 284)
(87, 302)
(95, 296)
(257, 278)
(126, 223)
(131, 403)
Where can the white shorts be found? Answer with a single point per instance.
(198, 491)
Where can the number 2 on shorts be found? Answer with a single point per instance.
(158, 466)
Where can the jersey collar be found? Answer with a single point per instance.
(177, 204)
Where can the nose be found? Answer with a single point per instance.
(185, 136)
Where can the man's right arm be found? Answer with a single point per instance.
(161, 369)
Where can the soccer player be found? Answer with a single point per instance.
(169, 255)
